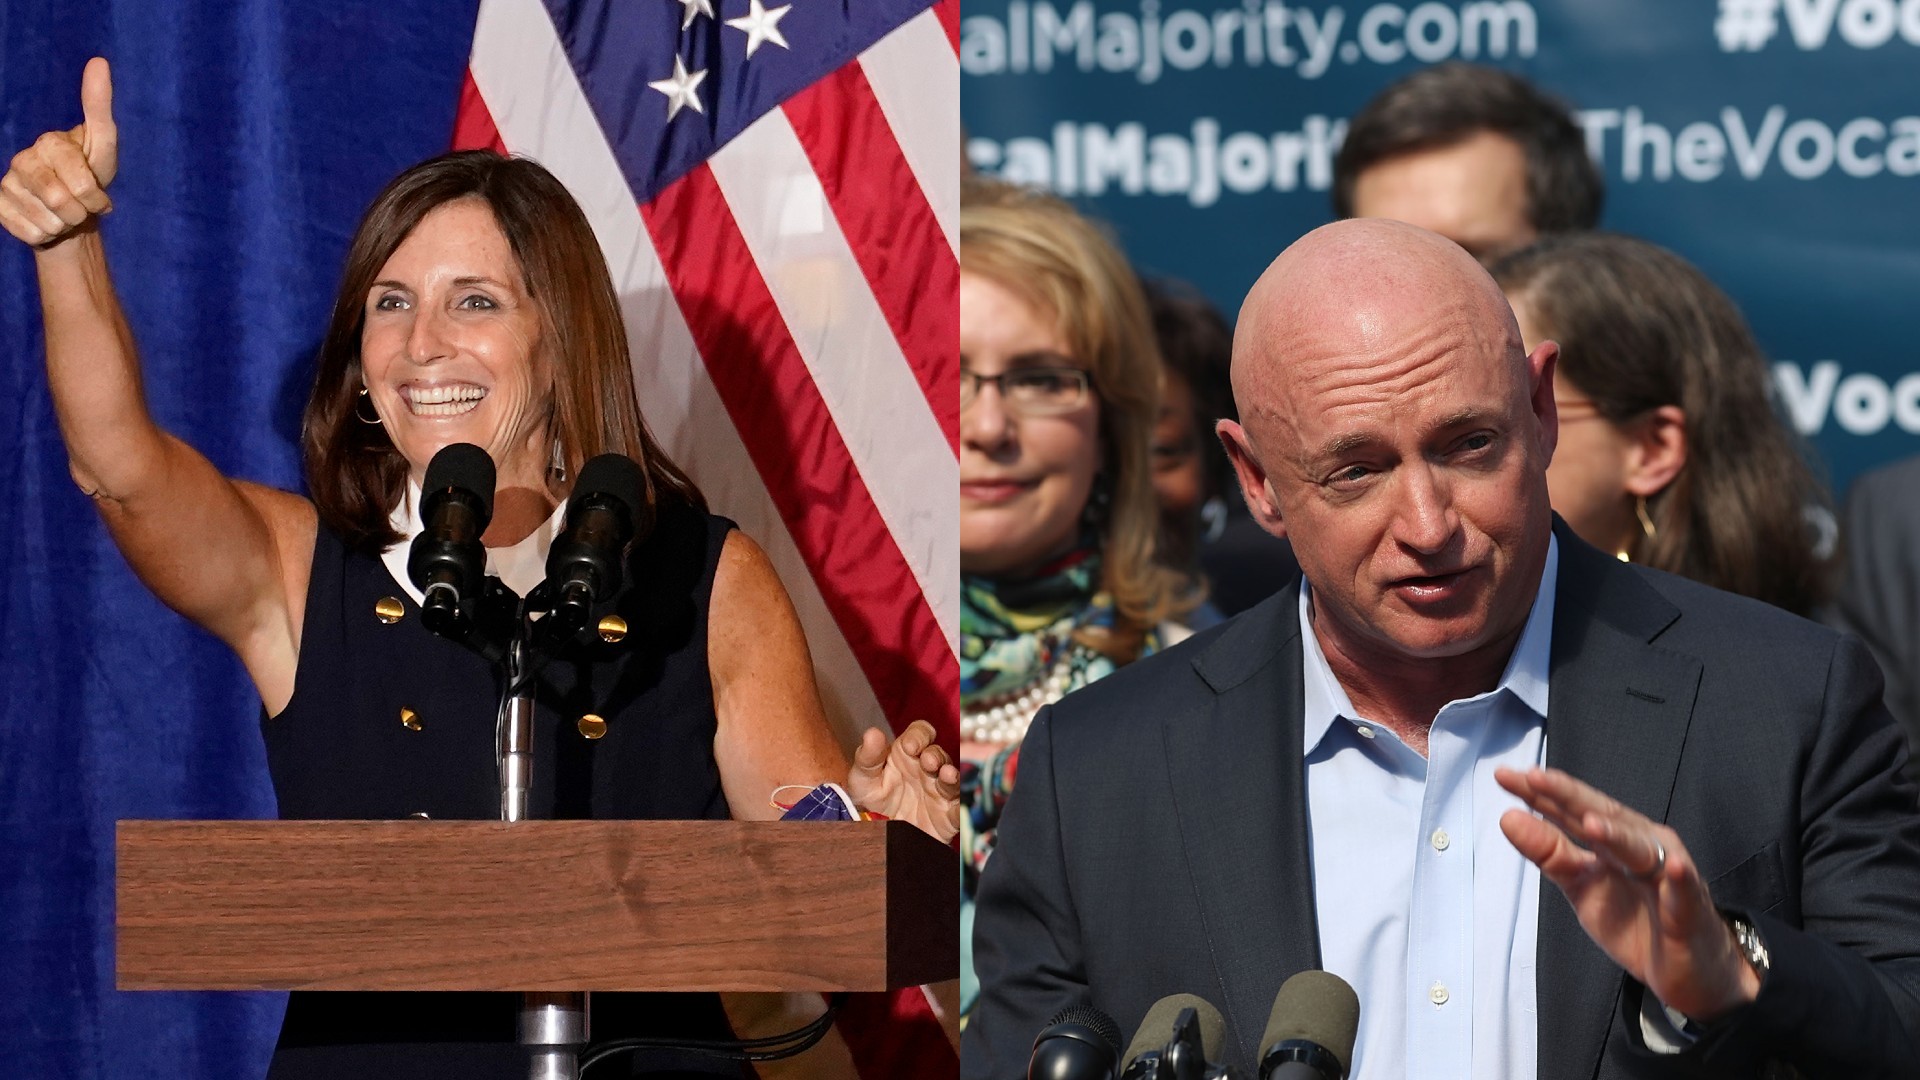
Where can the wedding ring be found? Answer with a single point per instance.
(1659, 862)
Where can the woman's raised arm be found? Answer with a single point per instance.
(229, 555)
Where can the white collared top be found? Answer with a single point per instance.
(520, 567)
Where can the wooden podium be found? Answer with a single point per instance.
(533, 905)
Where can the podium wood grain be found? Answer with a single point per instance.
(535, 905)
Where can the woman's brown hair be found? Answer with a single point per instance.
(354, 473)
(1639, 327)
(1044, 252)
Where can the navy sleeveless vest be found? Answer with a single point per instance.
(389, 721)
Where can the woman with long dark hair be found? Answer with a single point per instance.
(475, 307)
(1671, 453)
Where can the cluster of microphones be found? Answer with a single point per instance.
(1310, 1031)
(1309, 1036)
(585, 565)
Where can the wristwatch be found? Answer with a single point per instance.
(1752, 945)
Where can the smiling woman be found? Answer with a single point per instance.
(475, 308)
(1059, 388)
(1036, 425)
(451, 355)
(463, 284)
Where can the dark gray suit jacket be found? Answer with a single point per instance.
(1156, 842)
(1880, 598)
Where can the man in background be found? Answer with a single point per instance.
(1473, 153)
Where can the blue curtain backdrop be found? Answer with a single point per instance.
(252, 135)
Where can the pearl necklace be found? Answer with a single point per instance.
(1004, 719)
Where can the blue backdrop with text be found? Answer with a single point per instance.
(1775, 143)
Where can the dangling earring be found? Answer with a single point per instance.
(558, 466)
(1646, 526)
(362, 417)
(1640, 511)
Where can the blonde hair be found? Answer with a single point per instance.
(1041, 250)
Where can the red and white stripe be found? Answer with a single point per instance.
(822, 241)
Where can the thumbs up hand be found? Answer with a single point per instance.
(58, 185)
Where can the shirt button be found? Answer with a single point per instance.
(1438, 995)
(1440, 840)
(1365, 731)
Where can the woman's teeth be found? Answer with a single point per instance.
(441, 401)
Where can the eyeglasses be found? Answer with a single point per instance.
(1045, 391)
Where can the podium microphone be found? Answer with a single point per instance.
(1310, 1032)
(1079, 1043)
(1197, 1031)
(586, 563)
(447, 562)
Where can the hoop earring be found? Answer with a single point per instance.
(360, 416)
(1646, 521)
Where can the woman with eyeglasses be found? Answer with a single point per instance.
(1059, 386)
(1670, 452)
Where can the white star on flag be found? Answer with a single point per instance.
(681, 89)
(761, 25)
(696, 8)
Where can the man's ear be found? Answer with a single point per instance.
(1540, 364)
(1261, 502)
(1658, 441)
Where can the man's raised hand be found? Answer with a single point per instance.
(1635, 889)
(59, 184)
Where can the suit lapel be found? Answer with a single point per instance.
(1617, 718)
(1247, 856)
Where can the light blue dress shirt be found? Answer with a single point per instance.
(1423, 906)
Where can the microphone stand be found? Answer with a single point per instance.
(553, 1024)
(513, 733)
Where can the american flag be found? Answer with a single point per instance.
(776, 190)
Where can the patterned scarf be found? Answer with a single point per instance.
(1012, 633)
(1011, 636)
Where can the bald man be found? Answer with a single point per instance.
(1550, 814)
